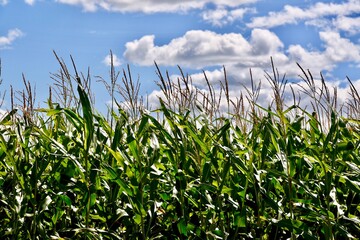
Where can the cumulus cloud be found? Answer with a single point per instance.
(336, 50)
(314, 60)
(202, 49)
(340, 49)
(198, 49)
(116, 61)
(151, 6)
(264, 42)
(293, 14)
(222, 16)
(13, 34)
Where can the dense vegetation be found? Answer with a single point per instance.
(187, 170)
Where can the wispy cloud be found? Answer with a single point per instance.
(151, 6)
(3, 2)
(348, 24)
(13, 34)
(293, 14)
(222, 16)
(30, 2)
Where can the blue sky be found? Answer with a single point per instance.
(322, 36)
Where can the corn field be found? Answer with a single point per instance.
(185, 170)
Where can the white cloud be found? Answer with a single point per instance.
(265, 98)
(116, 61)
(293, 14)
(151, 6)
(321, 23)
(222, 16)
(30, 2)
(88, 5)
(201, 49)
(3, 2)
(336, 50)
(348, 24)
(314, 60)
(214, 77)
(198, 49)
(264, 42)
(13, 34)
(340, 49)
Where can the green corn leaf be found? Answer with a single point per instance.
(117, 155)
(6, 119)
(114, 177)
(182, 227)
(74, 118)
(240, 218)
(88, 117)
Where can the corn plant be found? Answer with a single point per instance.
(259, 172)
